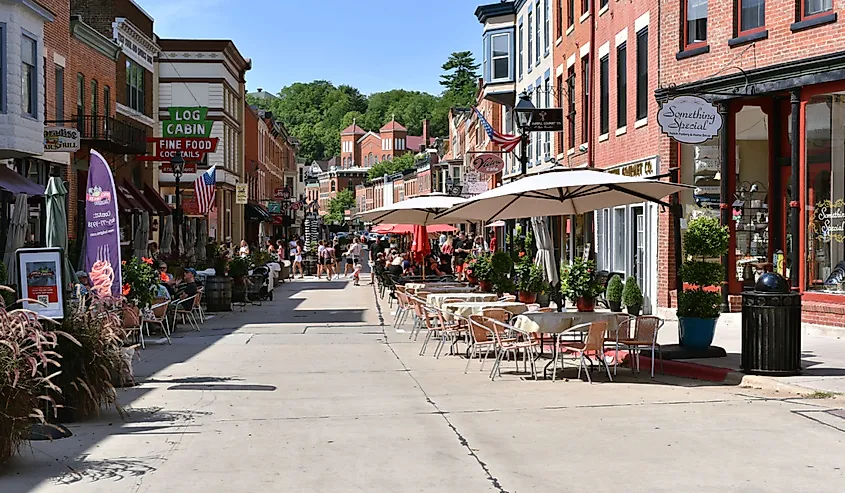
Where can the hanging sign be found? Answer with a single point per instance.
(488, 164)
(187, 121)
(102, 229)
(689, 119)
(282, 193)
(241, 193)
(545, 120)
(61, 139)
(274, 207)
(295, 206)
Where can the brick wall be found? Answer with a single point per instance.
(128, 9)
(98, 14)
(570, 44)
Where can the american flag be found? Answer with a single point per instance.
(506, 142)
(204, 189)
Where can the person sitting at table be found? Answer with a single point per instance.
(434, 266)
(188, 286)
(83, 287)
(395, 267)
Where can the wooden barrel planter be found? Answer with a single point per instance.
(218, 294)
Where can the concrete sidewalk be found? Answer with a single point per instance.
(823, 358)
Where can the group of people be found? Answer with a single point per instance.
(449, 256)
(327, 260)
(454, 252)
(169, 288)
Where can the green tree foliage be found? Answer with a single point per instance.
(401, 163)
(315, 112)
(343, 201)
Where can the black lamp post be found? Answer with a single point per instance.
(524, 116)
(177, 164)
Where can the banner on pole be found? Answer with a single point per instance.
(102, 229)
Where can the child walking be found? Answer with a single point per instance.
(356, 274)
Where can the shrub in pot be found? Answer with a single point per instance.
(579, 284)
(632, 296)
(705, 241)
(529, 280)
(614, 293)
(480, 268)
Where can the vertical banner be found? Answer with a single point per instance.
(102, 229)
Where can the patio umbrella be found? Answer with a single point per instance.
(166, 239)
(16, 237)
(190, 238)
(406, 229)
(142, 234)
(202, 238)
(545, 249)
(57, 222)
(420, 247)
(418, 210)
(558, 193)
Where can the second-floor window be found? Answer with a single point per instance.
(547, 19)
(813, 7)
(695, 28)
(60, 93)
(134, 86)
(537, 32)
(94, 105)
(80, 94)
(501, 56)
(604, 98)
(521, 46)
(752, 14)
(570, 89)
(621, 85)
(570, 13)
(642, 74)
(106, 100)
(585, 98)
(29, 76)
(530, 41)
(585, 6)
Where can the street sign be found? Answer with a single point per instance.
(241, 193)
(546, 120)
(187, 121)
(61, 139)
(488, 164)
(281, 193)
(295, 206)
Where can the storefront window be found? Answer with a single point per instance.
(619, 238)
(825, 180)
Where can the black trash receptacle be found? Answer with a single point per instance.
(771, 328)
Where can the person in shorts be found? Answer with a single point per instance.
(353, 254)
(327, 261)
(321, 261)
(462, 249)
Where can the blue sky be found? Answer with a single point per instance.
(374, 45)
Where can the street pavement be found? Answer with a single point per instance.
(310, 393)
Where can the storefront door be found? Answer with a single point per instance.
(638, 246)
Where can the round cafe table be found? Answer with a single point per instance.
(416, 286)
(466, 308)
(437, 299)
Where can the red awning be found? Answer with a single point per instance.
(125, 200)
(139, 197)
(156, 200)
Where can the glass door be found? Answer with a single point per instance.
(638, 247)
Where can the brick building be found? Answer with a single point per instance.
(775, 72)
(362, 149)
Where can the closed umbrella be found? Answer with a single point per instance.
(190, 238)
(57, 222)
(166, 239)
(202, 238)
(420, 247)
(545, 249)
(16, 237)
(262, 233)
(418, 210)
(142, 232)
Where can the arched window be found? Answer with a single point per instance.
(370, 160)
(334, 186)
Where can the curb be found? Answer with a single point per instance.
(770, 383)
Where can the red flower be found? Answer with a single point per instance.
(126, 289)
(164, 277)
(521, 254)
(147, 261)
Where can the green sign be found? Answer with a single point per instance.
(187, 121)
(274, 207)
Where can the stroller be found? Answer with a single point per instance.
(258, 285)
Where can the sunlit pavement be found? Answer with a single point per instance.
(311, 393)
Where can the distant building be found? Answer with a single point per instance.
(362, 149)
(262, 95)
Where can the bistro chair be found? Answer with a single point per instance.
(593, 346)
(451, 330)
(481, 337)
(513, 345)
(645, 336)
(157, 315)
(185, 308)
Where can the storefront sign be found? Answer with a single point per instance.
(282, 193)
(41, 278)
(488, 164)
(102, 229)
(61, 139)
(474, 183)
(187, 122)
(829, 221)
(241, 193)
(635, 170)
(546, 120)
(193, 151)
(689, 119)
(274, 207)
(190, 206)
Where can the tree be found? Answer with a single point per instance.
(342, 202)
(460, 79)
(401, 163)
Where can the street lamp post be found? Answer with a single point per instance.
(177, 164)
(524, 116)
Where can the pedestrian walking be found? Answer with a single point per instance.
(352, 254)
(327, 257)
(321, 260)
(297, 260)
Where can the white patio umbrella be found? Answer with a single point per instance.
(166, 238)
(558, 193)
(422, 210)
(545, 249)
(16, 237)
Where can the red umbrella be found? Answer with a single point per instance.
(421, 247)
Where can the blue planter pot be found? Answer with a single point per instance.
(697, 333)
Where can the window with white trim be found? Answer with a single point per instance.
(501, 56)
(29, 76)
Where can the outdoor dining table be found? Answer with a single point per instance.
(557, 322)
(414, 286)
(436, 299)
(466, 308)
(450, 289)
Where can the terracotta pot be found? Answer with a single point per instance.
(586, 304)
(486, 286)
(472, 279)
(527, 297)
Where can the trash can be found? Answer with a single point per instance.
(771, 328)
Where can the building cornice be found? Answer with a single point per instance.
(38, 9)
(91, 37)
(135, 43)
(485, 12)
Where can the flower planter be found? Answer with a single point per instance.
(697, 333)
(527, 297)
(615, 306)
(486, 286)
(586, 304)
(472, 279)
(544, 300)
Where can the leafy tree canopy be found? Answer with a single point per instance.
(401, 163)
(315, 112)
(343, 201)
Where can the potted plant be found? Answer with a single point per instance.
(614, 293)
(632, 297)
(481, 269)
(529, 280)
(700, 304)
(140, 281)
(578, 283)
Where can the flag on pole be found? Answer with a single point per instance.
(505, 141)
(204, 188)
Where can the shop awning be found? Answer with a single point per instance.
(15, 183)
(255, 212)
(126, 202)
(139, 197)
(156, 200)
